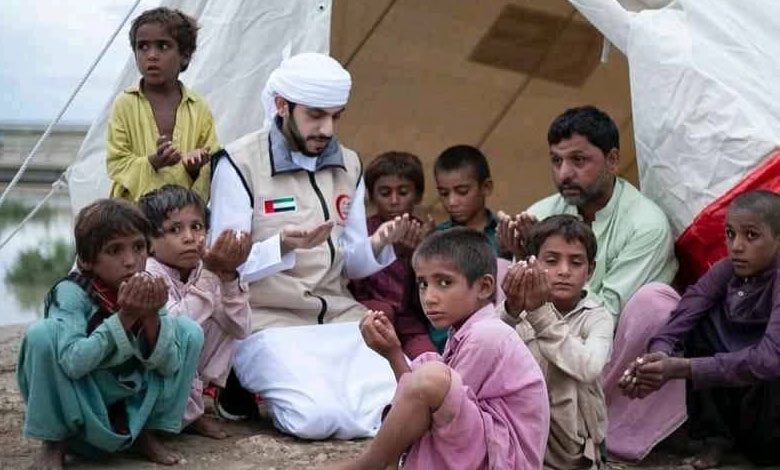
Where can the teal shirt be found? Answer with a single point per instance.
(635, 244)
(490, 228)
(68, 378)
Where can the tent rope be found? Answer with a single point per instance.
(57, 185)
(29, 158)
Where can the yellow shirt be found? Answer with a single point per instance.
(132, 137)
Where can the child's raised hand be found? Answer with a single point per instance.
(514, 288)
(537, 286)
(379, 334)
(509, 240)
(391, 232)
(229, 251)
(195, 159)
(166, 155)
(140, 296)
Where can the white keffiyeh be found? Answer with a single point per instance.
(310, 79)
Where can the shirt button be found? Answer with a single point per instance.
(741, 293)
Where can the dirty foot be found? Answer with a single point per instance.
(50, 457)
(711, 456)
(208, 427)
(150, 447)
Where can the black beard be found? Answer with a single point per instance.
(297, 138)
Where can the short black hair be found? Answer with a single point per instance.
(104, 220)
(763, 203)
(182, 28)
(468, 249)
(567, 226)
(589, 122)
(462, 156)
(401, 164)
(159, 203)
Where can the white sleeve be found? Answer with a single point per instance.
(354, 240)
(231, 209)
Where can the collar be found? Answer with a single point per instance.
(485, 313)
(284, 160)
(186, 95)
(174, 274)
(586, 303)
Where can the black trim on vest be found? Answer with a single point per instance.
(323, 310)
(325, 213)
(360, 173)
(222, 154)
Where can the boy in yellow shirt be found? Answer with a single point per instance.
(160, 132)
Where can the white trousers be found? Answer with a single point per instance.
(318, 381)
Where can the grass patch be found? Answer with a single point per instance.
(42, 266)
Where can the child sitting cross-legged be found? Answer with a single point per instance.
(483, 404)
(107, 366)
(202, 284)
(723, 338)
(569, 334)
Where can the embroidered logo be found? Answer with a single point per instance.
(280, 204)
(343, 203)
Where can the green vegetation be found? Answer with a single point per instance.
(37, 269)
(13, 211)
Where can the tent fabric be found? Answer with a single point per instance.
(703, 243)
(706, 110)
(239, 43)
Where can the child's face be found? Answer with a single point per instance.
(752, 246)
(157, 54)
(393, 196)
(445, 294)
(184, 233)
(567, 269)
(119, 259)
(461, 194)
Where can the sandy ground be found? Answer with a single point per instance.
(253, 445)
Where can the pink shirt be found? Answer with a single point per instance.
(498, 374)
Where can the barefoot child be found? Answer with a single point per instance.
(395, 184)
(724, 339)
(160, 132)
(202, 285)
(569, 335)
(107, 366)
(483, 404)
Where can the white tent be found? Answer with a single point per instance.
(239, 43)
(706, 108)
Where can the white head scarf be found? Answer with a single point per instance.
(311, 79)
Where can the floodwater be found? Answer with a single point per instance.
(22, 301)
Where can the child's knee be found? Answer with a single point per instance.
(431, 382)
(39, 337)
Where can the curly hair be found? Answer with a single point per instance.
(182, 28)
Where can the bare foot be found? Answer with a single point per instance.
(150, 446)
(711, 456)
(206, 426)
(50, 457)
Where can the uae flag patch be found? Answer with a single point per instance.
(279, 205)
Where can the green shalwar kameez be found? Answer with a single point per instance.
(69, 378)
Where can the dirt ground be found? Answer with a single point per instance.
(254, 445)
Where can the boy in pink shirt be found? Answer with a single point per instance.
(202, 284)
(483, 404)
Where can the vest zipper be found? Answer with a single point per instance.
(326, 213)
